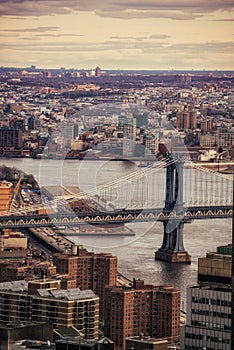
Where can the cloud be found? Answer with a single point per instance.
(137, 48)
(120, 54)
(59, 35)
(129, 37)
(32, 30)
(125, 9)
(159, 36)
(223, 20)
(140, 38)
(8, 35)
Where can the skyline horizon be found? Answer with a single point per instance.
(35, 67)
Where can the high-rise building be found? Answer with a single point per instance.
(208, 324)
(127, 125)
(186, 120)
(69, 132)
(44, 300)
(193, 120)
(31, 123)
(183, 79)
(90, 270)
(225, 139)
(151, 144)
(98, 71)
(11, 138)
(17, 124)
(151, 310)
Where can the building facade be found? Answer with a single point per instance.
(11, 138)
(151, 143)
(44, 300)
(208, 324)
(6, 191)
(89, 270)
(186, 120)
(127, 125)
(151, 310)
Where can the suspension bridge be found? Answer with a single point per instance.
(172, 191)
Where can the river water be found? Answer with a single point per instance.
(135, 254)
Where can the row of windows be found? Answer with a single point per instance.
(208, 338)
(211, 325)
(217, 340)
(193, 336)
(189, 347)
(211, 301)
(211, 313)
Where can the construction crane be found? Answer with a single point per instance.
(14, 204)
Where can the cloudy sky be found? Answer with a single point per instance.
(118, 34)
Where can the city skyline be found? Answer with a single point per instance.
(125, 35)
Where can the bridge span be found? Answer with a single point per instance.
(114, 217)
(183, 197)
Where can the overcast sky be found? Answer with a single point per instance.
(118, 34)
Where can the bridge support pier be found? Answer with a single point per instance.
(172, 249)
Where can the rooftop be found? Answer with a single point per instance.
(67, 294)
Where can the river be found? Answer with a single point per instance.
(135, 254)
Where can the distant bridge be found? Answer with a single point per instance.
(190, 192)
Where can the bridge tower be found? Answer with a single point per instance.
(172, 249)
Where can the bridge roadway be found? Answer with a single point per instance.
(121, 216)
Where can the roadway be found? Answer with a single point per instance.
(114, 217)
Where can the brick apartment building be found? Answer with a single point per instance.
(44, 300)
(151, 310)
(89, 270)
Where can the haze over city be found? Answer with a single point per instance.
(118, 35)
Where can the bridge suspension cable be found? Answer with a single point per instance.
(210, 187)
(90, 193)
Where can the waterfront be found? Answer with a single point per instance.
(136, 259)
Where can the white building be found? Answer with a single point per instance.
(208, 325)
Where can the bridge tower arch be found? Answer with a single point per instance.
(172, 249)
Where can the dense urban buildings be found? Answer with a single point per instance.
(74, 114)
(34, 104)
